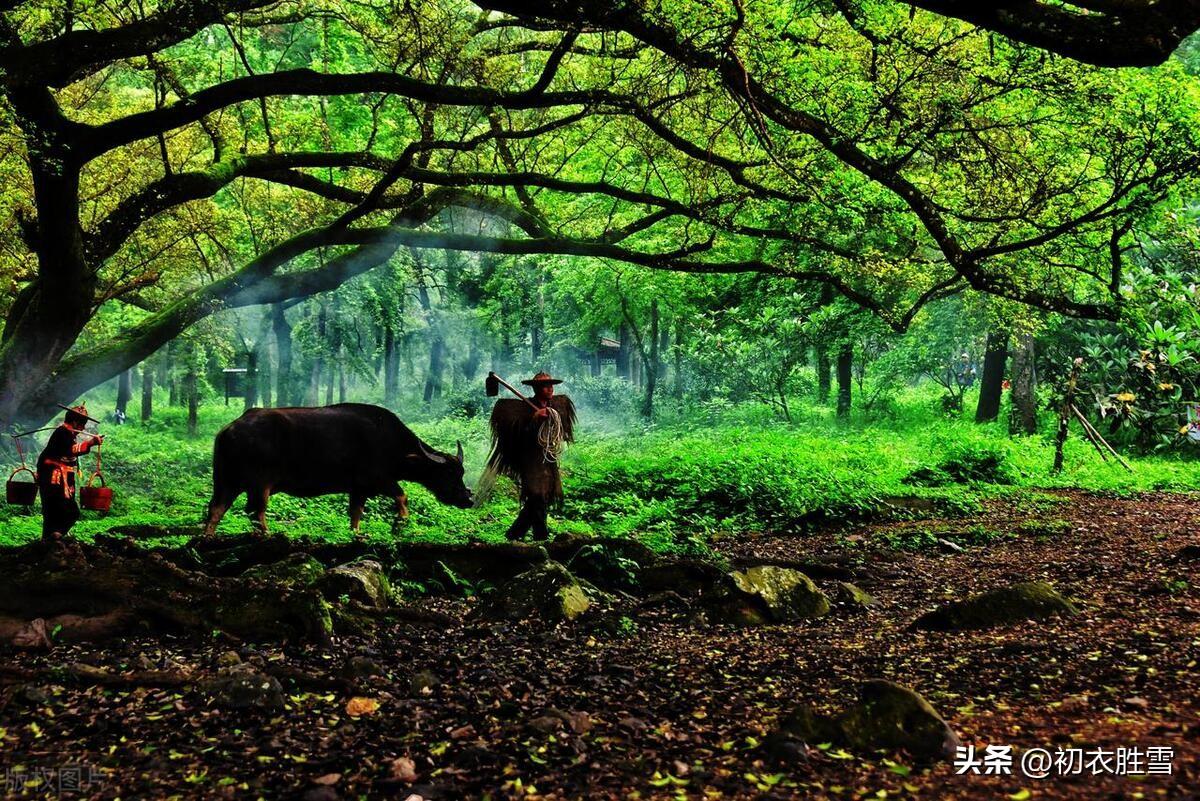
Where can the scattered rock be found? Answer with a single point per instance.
(1031, 600)
(785, 750)
(404, 770)
(360, 667)
(887, 715)
(1188, 553)
(547, 724)
(789, 595)
(298, 570)
(229, 659)
(424, 682)
(892, 716)
(548, 591)
(363, 580)
(852, 596)
(321, 793)
(235, 688)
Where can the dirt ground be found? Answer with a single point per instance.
(667, 708)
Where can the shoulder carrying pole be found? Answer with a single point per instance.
(492, 389)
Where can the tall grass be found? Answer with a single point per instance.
(694, 473)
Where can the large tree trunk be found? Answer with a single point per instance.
(845, 380)
(991, 385)
(147, 390)
(437, 343)
(1024, 388)
(265, 380)
(124, 390)
(250, 387)
(48, 314)
(284, 394)
(318, 366)
(824, 374)
(193, 402)
(391, 368)
(623, 351)
(433, 378)
(652, 364)
(172, 379)
(677, 391)
(470, 365)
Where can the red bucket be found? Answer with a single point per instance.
(97, 499)
(21, 493)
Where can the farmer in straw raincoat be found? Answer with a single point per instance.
(526, 443)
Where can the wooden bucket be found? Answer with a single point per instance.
(21, 493)
(97, 499)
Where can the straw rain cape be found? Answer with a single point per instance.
(517, 451)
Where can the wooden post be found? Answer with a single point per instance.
(1065, 414)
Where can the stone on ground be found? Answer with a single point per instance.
(1029, 600)
(886, 716)
(548, 592)
(852, 596)
(297, 570)
(240, 687)
(789, 595)
(362, 580)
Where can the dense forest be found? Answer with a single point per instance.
(880, 320)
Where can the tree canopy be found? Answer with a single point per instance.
(180, 159)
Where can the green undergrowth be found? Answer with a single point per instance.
(674, 485)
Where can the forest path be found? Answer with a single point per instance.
(672, 709)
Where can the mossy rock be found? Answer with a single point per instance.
(548, 592)
(274, 616)
(891, 716)
(852, 596)
(297, 570)
(886, 716)
(1029, 600)
(363, 580)
(789, 595)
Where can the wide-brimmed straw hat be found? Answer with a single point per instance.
(541, 378)
(80, 410)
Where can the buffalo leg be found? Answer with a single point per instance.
(222, 499)
(256, 506)
(401, 509)
(357, 502)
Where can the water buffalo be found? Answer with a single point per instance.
(355, 448)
